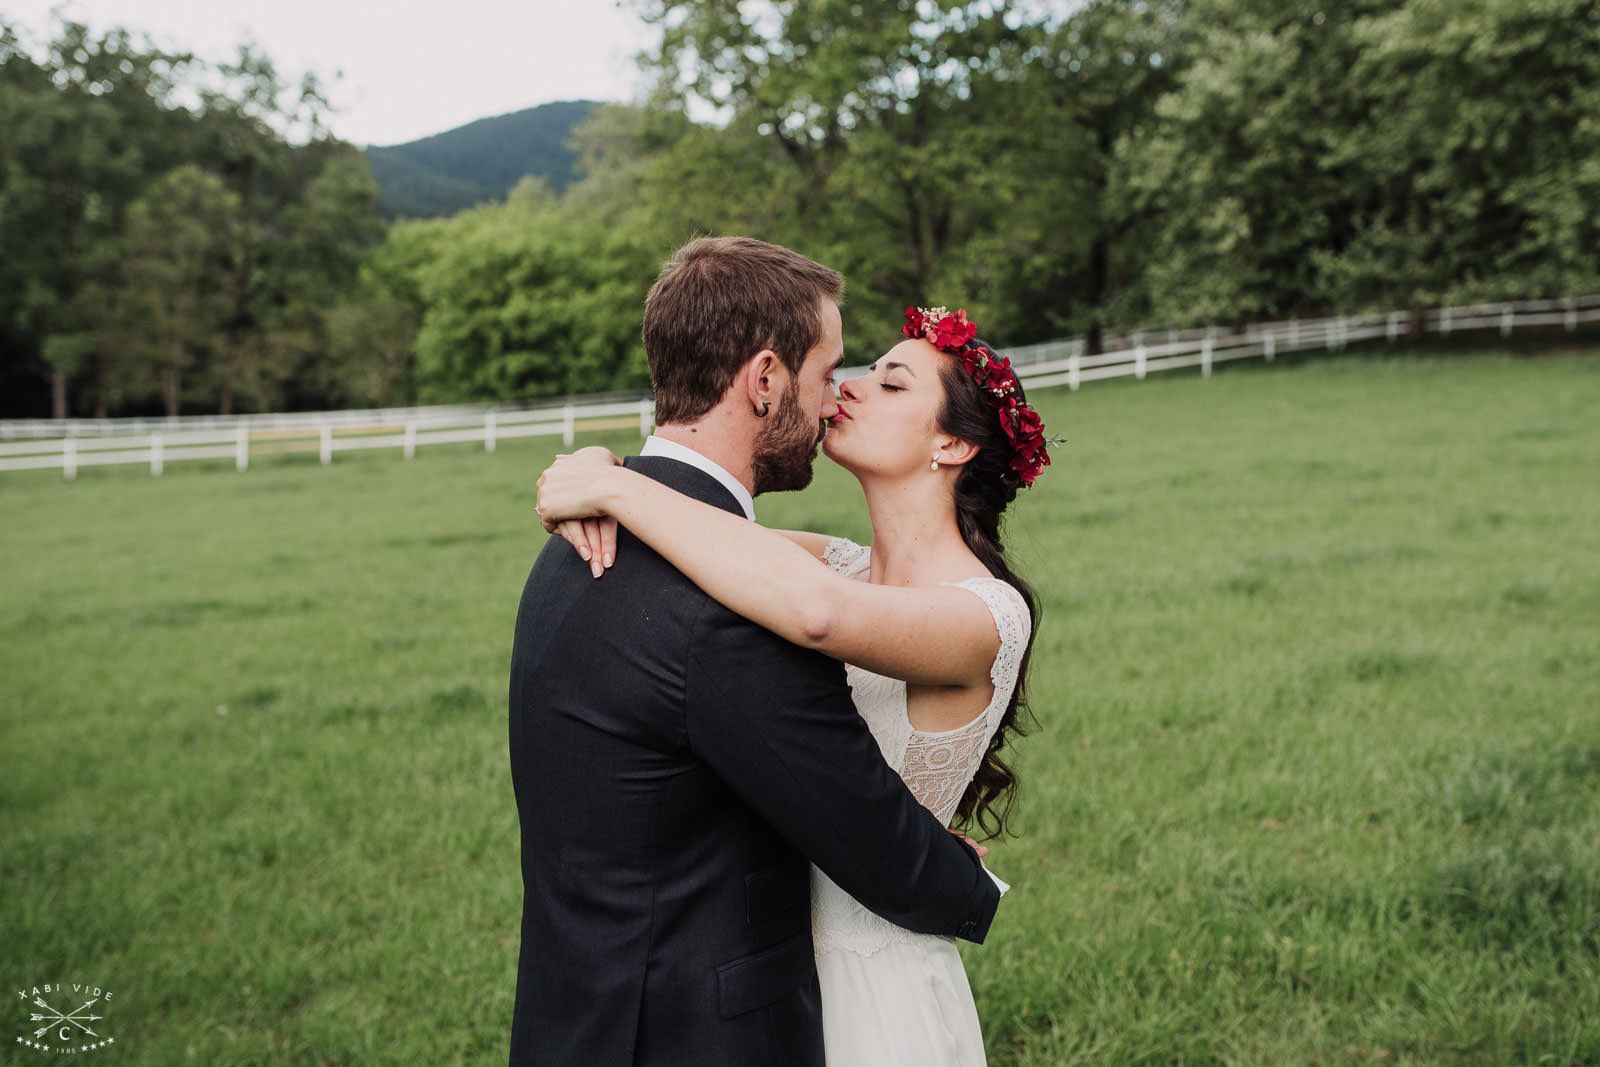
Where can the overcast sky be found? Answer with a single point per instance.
(407, 70)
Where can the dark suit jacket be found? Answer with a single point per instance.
(675, 766)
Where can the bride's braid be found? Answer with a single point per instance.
(986, 485)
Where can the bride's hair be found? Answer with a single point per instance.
(986, 485)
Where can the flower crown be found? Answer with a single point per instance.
(1022, 424)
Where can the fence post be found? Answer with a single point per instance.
(1294, 334)
(1507, 313)
(1570, 321)
(69, 458)
(327, 444)
(1269, 344)
(155, 454)
(1391, 328)
(1205, 357)
(488, 431)
(1444, 322)
(1138, 362)
(241, 454)
(569, 425)
(647, 413)
(411, 439)
(1072, 372)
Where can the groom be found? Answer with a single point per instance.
(676, 766)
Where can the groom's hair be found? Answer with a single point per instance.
(719, 301)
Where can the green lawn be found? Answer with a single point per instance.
(1316, 778)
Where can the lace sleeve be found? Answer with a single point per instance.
(847, 557)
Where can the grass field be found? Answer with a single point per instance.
(1316, 778)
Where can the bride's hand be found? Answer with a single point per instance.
(569, 505)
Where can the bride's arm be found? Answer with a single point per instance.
(933, 636)
(595, 536)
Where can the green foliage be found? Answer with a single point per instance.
(158, 253)
(84, 125)
(1393, 153)
(523, 303)
(1113, 165)
(172, 309)
(904, 145)
(1315, 777)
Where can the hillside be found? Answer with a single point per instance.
(449, 171)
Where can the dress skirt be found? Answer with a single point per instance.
(907, 1004)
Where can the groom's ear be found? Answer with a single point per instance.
(765, 380)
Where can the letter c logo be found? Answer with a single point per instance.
(66, 1035)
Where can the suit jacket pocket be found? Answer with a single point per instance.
(764, 977)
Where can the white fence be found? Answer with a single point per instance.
(68, 445)
(162, 441)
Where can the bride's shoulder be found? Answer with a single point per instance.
(1005, 603)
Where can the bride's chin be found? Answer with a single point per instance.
(832, 450)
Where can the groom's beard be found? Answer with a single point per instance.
(785, 447)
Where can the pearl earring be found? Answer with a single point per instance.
(935, 465)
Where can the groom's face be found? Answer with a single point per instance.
(787, 444)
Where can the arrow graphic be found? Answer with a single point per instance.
(56, 1017)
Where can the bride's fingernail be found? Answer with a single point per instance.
(606, 559)
(584, 552)
(596, 569)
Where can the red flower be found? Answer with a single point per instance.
(953, 331)
(914, 323)
(998, 378)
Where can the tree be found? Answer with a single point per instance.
(88, 129)
(1480, 163)
(1094, 84)
(171, 305)
(885, 138)
(83, 128)
(523, 302)
(1379, 154)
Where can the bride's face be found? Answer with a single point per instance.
(888, 419)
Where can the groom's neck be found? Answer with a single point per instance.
(719, 438)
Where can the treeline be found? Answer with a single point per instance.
(158, 255)
(1108, 166)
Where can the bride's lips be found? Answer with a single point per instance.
(838, 417)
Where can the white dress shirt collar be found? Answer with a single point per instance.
(660, 446)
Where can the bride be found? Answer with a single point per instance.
(933, 623)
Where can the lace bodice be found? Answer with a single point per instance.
(936, 766)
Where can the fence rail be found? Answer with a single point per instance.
(404, 429)
(33, 444)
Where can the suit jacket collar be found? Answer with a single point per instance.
(660, 446)
(689, 480)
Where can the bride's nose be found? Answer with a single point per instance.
(846, 390)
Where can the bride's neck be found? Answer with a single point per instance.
(915, 540)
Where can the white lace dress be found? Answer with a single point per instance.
(889, 996)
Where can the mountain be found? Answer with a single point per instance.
(441, 174)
